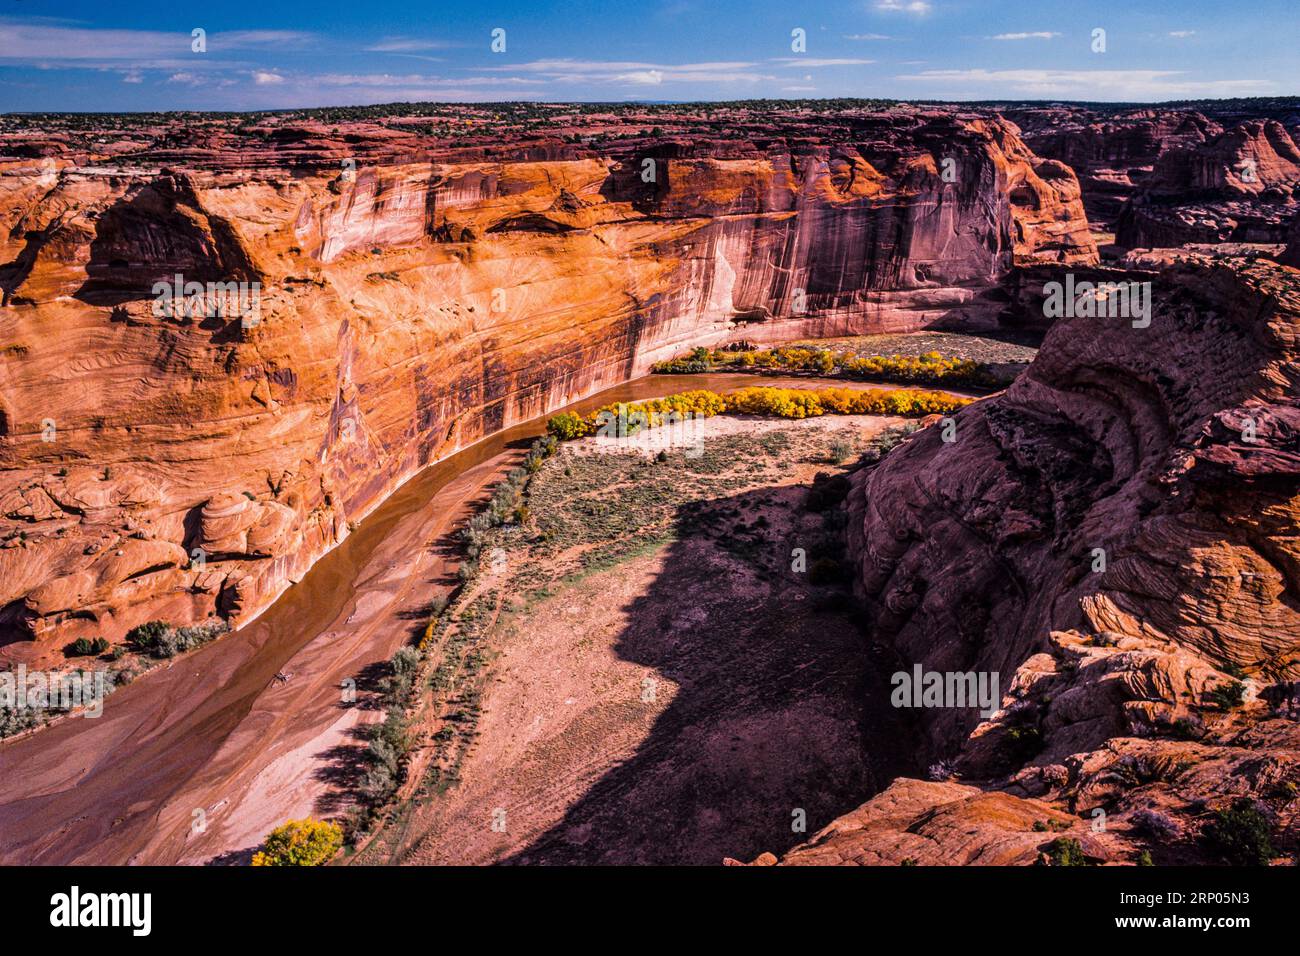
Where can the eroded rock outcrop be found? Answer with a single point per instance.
(1239, 186)
(175, 464)
(1117, 536)
(1112, 154)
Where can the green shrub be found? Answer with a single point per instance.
(1227, 696)
(566, 426)
(1240, 834)
(1066, 851)
(161, 640)
(150, 638)
(86, 647)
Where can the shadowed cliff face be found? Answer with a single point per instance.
(1115, 537)
(1114, 154)
(1239, 186)
(175, 466)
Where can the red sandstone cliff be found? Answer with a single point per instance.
(412, 306)
(1239, 186)
(1175, 450)
(1114, 154)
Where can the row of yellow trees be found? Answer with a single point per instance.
(756, 400)
(927, 368)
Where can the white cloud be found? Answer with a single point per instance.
(24, 41)
(624, 71)
(1182, 34)
(866, 36)
(264, 78)
(133, 76)
(405, 45)
(186, 78)
(243, 39)
(607, 66)
(1112, 85)
(410, 80)
(918, 7)
(642, 77)
(804, 61)
(1040, 35)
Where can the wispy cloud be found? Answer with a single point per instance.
(637, 73)
(802, 61)
(1182, 34)
(413, 80)
(1039, 35)
(41, 42)
(918, 7)
(866, 36)
(1083, 84)
(265, 78)
(406, 45)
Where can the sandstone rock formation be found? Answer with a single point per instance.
(410, 298)
(1112, 154)
(1116, 536)
(1239, 186)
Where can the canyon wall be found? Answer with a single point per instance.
(1117, 537)
(1238, 186)
(1114, 154)
(182, 465)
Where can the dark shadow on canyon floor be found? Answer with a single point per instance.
(780, 705)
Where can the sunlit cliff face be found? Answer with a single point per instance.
(174, 466)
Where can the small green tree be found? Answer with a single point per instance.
(152, 638)
(1240, 834)
(300, 843)
(1064, 851)
(86, 647)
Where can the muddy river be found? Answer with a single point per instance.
(195, 761)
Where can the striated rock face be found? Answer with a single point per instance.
(174, 465)
(1117, 536)
(1239, 186)
(944, 824)
(1114, 154)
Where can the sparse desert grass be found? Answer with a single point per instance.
(588, 512)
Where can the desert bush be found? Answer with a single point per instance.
(567, 426)
(149, 638)
(1227, 696)
(15, 720)
(161, 640)
(300, 843)
(1066, 851)
(1155, 824)
(1241, 834)
(86, 647)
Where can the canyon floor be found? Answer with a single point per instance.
(658, 681)
(198, 759)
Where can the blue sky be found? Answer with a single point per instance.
(109, 55)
